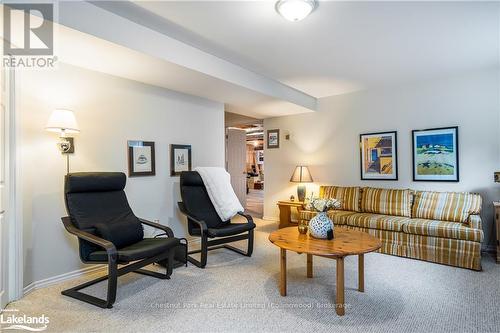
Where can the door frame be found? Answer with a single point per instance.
(13, 216)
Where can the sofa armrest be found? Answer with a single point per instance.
(474, 221)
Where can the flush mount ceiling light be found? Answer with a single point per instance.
(295, 10)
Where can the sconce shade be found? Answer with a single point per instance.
(301, 175)
(62, 121)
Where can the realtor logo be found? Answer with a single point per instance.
(12, 319)
(28, 29)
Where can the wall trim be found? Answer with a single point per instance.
(62, 277)
(271, 218)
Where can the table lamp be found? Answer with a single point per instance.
(301, 175)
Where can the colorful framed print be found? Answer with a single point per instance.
(141, 158)
(273, 138)
(435, 154)
(378, 156)
(180, 159)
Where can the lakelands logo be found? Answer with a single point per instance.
(11, 319)
(29, 35)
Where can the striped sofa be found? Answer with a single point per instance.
(442, 227)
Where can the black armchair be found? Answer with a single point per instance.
(204, 222)
(109, 232)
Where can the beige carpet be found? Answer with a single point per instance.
(240, 294)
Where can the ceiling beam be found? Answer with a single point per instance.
(102, 23)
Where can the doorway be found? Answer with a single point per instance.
(247, 134)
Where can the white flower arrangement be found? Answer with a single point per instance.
(322, 205)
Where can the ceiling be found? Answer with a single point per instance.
(342, 46)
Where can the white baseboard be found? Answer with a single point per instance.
(270, 218)
(62, 277)
(79, 272)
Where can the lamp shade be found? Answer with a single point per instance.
(301, 175)
(62, 120)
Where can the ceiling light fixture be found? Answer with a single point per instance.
(295, 10)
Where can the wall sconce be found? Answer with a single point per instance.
(63, 122)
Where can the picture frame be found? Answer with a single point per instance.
(273, 138)
(379, 155)
(180, 159)
(259, 156)
(436, 154)
(141, 158)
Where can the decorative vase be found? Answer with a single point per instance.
(320, 225)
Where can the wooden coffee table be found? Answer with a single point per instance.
(345, 243)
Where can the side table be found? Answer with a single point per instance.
(285, 207)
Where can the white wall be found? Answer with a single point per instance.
(110, 111)
(328, 140)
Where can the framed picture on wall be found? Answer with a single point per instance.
(273, 138)
(259, 156)
(180, 159)
(435, 154)
(141, 158)
(378, 156)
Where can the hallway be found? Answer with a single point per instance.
(255, 203)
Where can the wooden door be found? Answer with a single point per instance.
(236, 153)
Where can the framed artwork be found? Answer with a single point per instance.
(273, 138)
(259, 156)
(435, 154)
(180, 159)
(378, 156)
(141, 158)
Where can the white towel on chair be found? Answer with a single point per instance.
(221, 193)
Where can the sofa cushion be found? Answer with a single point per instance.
(377, 221)
(446, 206)
(337, 216)
(348, 196)
(442, 229)
(386, 201)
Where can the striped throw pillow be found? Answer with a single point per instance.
(386, 201)
(446, 206)
(348, 196)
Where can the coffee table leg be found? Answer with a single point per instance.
(361, 272)
(283, 272)
(339, 304)
(309, 266)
